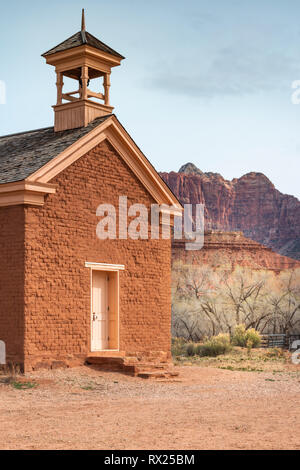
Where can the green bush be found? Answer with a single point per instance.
(246, 338)
(215, 346)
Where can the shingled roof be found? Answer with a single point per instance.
(23, 154)
(80, 39)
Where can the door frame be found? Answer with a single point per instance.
(106, 267)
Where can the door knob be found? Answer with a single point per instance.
(94, 317)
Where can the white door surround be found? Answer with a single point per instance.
(104, 279)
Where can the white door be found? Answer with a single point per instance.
(99, 311)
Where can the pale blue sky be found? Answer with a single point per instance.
(203, 81)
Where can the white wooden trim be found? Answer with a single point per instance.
(107, 268)
(104, 266)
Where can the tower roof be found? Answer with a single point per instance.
(81, 57)
(80, 39)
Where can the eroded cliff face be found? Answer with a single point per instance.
(227, 250)
(250, 204)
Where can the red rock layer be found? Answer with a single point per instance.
(230, 249)
(250, 204)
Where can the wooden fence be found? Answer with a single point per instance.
(278, 341)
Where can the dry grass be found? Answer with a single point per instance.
(261, 360)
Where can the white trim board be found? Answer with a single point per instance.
(104, 266)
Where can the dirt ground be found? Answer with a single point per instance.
(208, 408)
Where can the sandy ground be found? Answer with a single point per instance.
(209, 408)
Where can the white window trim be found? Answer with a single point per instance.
(104, 266)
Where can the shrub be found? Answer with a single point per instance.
(190, 349)
(254, 337)
(178, 346)
(246, 338)
(198, 349)
(215, 346)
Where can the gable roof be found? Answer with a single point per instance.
(38, 156)
(80, 39)
(24, 153)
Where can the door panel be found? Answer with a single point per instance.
(113, 330)
(100, 324)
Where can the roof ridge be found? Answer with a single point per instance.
(83, 37)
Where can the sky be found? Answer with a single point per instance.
(208, 82)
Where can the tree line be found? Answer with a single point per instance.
(206, 302)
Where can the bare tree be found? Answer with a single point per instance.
(206, 302)
(286, 303)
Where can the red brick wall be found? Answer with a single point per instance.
(61, 237)
(12, 281)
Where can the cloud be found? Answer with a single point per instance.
(236, 70)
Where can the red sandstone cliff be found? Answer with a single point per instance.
(227, 250)
(250, 204)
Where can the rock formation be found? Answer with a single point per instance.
(250, 204)
(227, 250)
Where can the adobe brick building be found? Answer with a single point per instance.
(65, 295)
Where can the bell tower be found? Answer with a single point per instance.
(83, 58)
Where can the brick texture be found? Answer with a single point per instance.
(59, 238)
(12, 281)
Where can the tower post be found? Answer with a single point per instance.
(106, 84)
(59, 86)
(84, 81)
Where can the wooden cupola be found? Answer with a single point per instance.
(83, 58)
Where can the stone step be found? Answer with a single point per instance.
(146, 366)
(173, 373)
(165, 374)
(107, 353)
(133, 366)
(106, 361)
(129, 369)
(147, 374)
